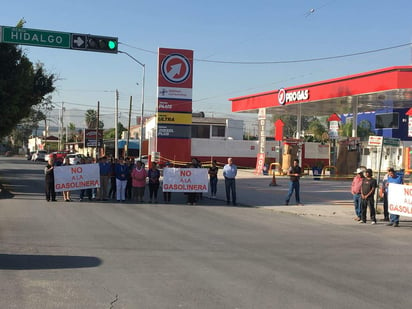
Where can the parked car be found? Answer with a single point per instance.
(57, 155)
(75, 158)
(144, 159)
(39, 155)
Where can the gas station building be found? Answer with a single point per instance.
(379, 100)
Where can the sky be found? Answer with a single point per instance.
(240, 47)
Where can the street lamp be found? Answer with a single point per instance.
(143, 82)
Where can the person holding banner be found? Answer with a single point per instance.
(66, 194)
(230, 172)
(368, 188)
(121, 171)
(393, 178)
(49, 178)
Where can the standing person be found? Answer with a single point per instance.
(213, 170)
(384, 194)
(105, 170)
(356, 193)
(294, 172)
(367, 195)
(112, 191)
(121, 171)
(130, 166)
(49, 178)
(230, 172)
(154, 181)
(139, 176)
(66, 194)
(392, 178)
(167, 196)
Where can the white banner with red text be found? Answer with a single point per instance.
(185, 180)
(400, 199)
(76, 177)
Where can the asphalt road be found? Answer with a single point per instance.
(109, 255)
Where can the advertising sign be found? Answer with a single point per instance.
(76, 177)
(168, 105)
(90, 137)
(174, 131)
(185, 180)
(174, 118)
(410, 126)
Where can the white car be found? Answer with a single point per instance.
(75, 158)
(39, 155)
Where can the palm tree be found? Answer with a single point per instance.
(91, 118)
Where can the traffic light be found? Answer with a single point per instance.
(102, 44)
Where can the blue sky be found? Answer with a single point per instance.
(224, 30)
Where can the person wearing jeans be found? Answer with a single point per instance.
(393, 178)
(295, 171)
(230, 172)
(356, 193)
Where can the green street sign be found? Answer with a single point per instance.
(389, 141)
(36, 37)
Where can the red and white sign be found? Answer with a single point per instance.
(375, 141)
(400, 199)
(76, 177)
(175, 68)
(185, 180)
(260, 163)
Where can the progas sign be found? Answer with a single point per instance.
(284, 97)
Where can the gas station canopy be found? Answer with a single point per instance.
(388, 88)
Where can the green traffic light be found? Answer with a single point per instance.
(112, 44)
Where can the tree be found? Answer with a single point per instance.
(91, 119)
(110, 133)
(22, 86)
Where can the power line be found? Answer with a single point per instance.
(287, 61)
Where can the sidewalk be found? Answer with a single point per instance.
(323, 199)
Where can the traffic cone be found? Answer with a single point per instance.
(273, 183)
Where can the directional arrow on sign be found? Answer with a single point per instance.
(78, 41)
(175, 71)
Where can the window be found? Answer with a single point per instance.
(218, 131)
(199, 131)
(390, 121)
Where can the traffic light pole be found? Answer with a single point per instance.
(143, 84)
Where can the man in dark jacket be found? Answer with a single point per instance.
(49, 172)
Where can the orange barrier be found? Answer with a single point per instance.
(329, 167)
(277, 169)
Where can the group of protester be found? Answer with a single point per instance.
(363, 189)
(123, 179)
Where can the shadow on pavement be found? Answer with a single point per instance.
(23, 261)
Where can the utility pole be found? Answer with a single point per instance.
(97, 130)
(128, 127)
(116, 117)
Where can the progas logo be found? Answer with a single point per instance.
(284, 97)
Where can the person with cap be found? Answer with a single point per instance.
(368, 188)
(392, 178)
(356, 192)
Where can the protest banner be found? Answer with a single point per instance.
(400, 199)
(76, 177)
(185, 180)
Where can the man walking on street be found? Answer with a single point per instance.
(295, 171)
(230, 172)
